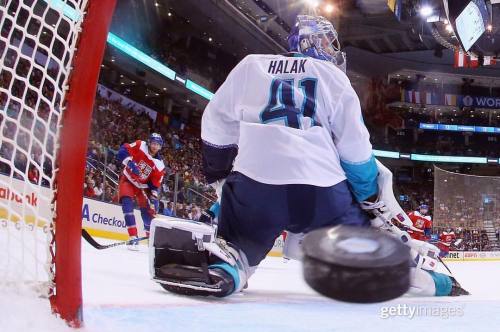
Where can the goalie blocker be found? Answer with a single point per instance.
(186, 258)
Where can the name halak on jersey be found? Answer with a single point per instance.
(282, 66)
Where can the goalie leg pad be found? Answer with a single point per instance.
(186, 258)
(429, 283)
(292, 247)
(421, 283)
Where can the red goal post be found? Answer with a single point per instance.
(50, 62)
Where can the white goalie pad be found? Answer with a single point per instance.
(421, 283)
(428, 253)
(292, 249)
(386, 194)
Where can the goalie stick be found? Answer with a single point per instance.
(98, 246)
(444, 264)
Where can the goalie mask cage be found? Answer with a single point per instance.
(467, 201)
(50, 56)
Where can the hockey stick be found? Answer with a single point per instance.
(403, 235)
(444, 264)
(406, 240)
(98, 246)
(462, 291)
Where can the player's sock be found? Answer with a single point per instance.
(132, 231)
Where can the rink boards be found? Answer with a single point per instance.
(457, 256)
(106, 220)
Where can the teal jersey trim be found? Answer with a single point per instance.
(362, 177)
(215, 208)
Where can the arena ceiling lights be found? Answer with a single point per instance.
(426, 11)
(135, 53)
(68, 11)
(434, 158)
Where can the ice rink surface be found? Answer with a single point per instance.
(119, 296)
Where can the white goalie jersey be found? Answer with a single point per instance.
(295, 120)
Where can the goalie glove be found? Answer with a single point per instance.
(386, 208)
(377, 211)
(387, 215)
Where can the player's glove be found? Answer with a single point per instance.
(133, 167)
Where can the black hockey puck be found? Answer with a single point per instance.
(356, 264)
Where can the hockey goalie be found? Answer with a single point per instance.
(285, 146)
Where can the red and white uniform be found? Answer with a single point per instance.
(445, 240)
(423, 225)
(151, 171)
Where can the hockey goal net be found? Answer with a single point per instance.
(50, 55)
(467, 201)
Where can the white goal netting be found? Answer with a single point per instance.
(467, 201)
(37, 44)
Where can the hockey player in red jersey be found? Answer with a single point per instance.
(446, 238)
(422, 222)
(140, 180)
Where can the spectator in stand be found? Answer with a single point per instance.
(169, 210)
(98, 188)
(88, 190)
(109, 195)
(33, 174)
(180, 212)
(161, 207)
(195, 213)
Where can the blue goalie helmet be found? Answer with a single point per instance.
(155, 137)
(315, 36)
